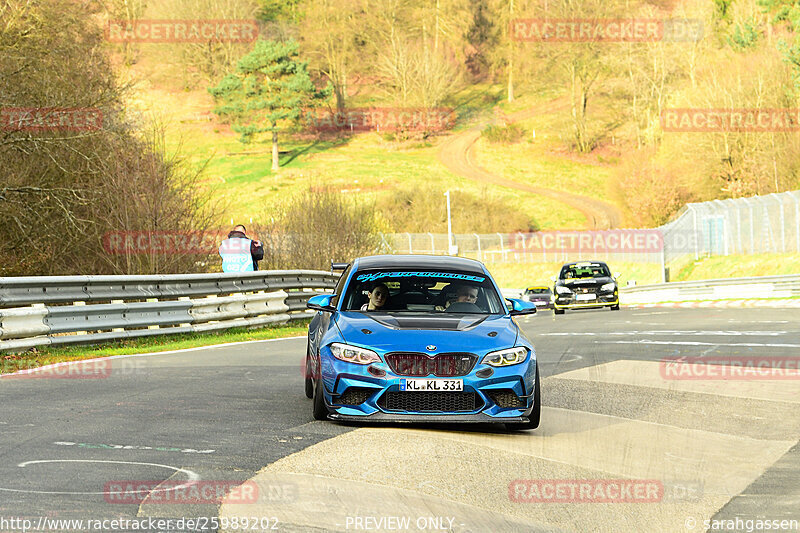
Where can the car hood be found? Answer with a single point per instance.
(415, 332)
(589, 282)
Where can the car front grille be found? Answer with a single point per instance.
(430, 402)
(419, 364)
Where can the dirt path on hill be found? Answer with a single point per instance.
(458, 155)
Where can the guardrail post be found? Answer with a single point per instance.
(410, 249)
(478, 240)
(433, 246)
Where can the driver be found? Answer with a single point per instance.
(467, 293)
(464, 293)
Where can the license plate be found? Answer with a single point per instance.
(585, 297)
(454, 385)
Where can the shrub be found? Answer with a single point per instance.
(319, 226)
(419, 210)
(651, 190)
(512, 133)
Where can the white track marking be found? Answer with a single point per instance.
(192, 477)
(149, 354)
(697, 343)
(655, 333)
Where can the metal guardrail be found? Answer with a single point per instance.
(49, 310)
(715, 289)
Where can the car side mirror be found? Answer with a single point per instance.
(554, 279)
(321, 302)
(616, 275)
(520, 307)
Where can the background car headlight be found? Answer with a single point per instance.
(354, 354)
(508, 357)
(562, 290)
(608, 287)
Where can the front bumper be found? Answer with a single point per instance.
(344, 381)
(568, 301)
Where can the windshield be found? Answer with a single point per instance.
(585, 270)
(411, 291)
(538, 290)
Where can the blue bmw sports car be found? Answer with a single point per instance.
(421, 339)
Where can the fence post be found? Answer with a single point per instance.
(796, 221)
(752, 225)
(725, 225)
(739, 226)
(410, 249)
(697, 242)
(433, 246)
(478, 240)
(502, 247)
(783, 224)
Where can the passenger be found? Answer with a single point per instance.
(378, 297)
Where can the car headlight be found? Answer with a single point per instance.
(353, 354)
(560, 289)
(507, 357)
(608, 287)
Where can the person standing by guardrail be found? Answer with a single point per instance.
(240, 253)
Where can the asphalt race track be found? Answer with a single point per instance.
(715, 449)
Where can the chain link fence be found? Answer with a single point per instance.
(760, 224)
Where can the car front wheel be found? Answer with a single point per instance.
(320, 409)
(535, 416)
(309, 383)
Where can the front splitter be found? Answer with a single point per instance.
(433, 418)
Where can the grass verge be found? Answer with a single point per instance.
(739, 266)
(47, 355)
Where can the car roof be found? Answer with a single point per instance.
(435, 262)
(583, 263)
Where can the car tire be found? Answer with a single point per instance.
(558, 311)
(615, 307)
(536, 412)
(309, 383)
(320, 409)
